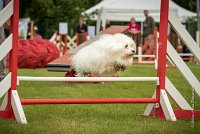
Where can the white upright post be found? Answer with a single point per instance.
(103, 20)
(140, 54)
(166, 106)
(17, 108)
(98, 23)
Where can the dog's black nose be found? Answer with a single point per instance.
(133, 51)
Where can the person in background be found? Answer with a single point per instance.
(81, 29)
(36, 35)
(133, 26)
(28, 36)
(149, 26)
(7, 28)
(134, 31)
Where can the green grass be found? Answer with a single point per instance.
(101, 119)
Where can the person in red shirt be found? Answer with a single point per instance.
(133, 26)
(134, 31)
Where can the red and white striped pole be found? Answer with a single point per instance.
(162, 48)
(13, 53)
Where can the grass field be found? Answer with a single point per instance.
(101, 119)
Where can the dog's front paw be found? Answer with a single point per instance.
(122, 68)
(119, 67)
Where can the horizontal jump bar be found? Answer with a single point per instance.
(87, 79)
(89, 101)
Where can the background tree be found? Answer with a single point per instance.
(191, 23)
(48, 13)
(188, 4)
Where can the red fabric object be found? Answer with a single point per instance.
(36, 53)
(37, 37)
(135, 27)
(71, 73)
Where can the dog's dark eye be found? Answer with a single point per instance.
(126, 46)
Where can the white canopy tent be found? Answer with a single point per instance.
(123, 10)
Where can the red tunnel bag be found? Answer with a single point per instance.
(36, 53)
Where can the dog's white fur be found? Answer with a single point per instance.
(106, 56)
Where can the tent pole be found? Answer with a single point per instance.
(198, 14)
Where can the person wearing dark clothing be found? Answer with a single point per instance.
(82, 27)
(149, 26)
(81, 31)
(7, 29)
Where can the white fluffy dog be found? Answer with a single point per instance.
(106, 56)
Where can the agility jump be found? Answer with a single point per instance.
(11, 107)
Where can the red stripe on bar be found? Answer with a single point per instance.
(89, 101)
